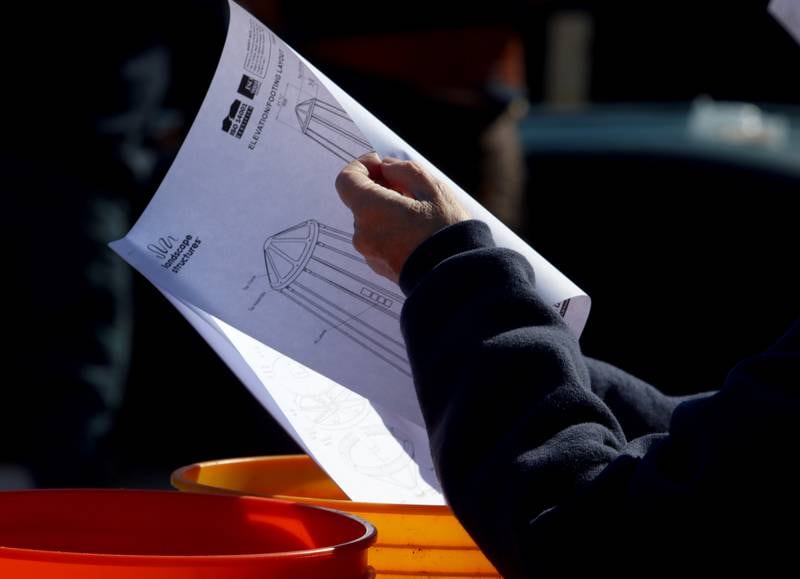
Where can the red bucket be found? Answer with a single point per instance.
(115, 534)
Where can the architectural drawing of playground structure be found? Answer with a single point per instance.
(316, 267)
(318, 117)
(336, 417)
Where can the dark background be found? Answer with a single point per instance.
(690, 259)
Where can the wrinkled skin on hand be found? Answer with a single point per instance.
(396, 206)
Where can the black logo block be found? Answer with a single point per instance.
(249, 87)
(238, 116)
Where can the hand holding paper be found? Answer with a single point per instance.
(246, 236)
(396, 206)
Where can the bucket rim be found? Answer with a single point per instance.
(179, 476)
(362, 542)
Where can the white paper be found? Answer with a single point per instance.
(248, 238)
(374, 451)
(787, 12)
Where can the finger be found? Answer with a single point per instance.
(352, 181)
(355, 187)
(408, 178)
(373, 164)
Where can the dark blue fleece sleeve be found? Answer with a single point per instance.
(640, 407)
(532, 458)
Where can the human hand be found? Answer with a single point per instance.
(396, 206)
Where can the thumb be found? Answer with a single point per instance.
(409, 179)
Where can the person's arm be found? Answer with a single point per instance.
(641, 408)
(513, 423)
(534, 464)
(538, 467)
(515, 428)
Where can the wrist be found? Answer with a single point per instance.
(447, 242)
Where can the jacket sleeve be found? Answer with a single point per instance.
(533, 462)
(639, 407)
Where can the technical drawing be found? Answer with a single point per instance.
(386, 455)
(331, 127)
(292, 95)
(307, 107)
(338, 408)
(299, 379)
(317, 268)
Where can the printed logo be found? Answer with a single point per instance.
(161, 248)
(249, 87)
(237, 119)
(175, 253)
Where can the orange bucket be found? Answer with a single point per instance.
(114, 534)
(413, 540)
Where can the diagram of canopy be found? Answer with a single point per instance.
(331, 127)
(316, 267)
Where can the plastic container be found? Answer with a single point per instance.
(112, 534)
(413, 540)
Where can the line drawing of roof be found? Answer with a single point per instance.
(331, 127)
(316, 267)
